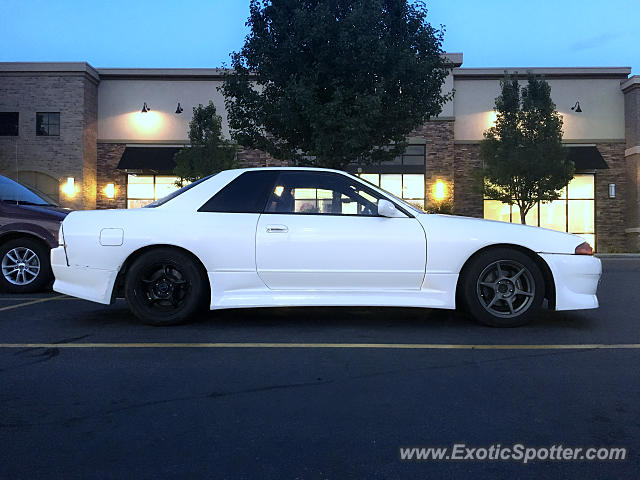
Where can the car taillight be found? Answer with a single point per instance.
(584, 249)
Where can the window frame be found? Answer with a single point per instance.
(423, 199)
(380, 167)
(48, 124)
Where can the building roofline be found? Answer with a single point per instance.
(630, 83)
(43, 68)
(455, 58)
(161, 73)
(548, 72)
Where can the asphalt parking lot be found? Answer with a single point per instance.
(87, 392)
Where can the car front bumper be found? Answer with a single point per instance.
(576, 279)
(83, 282)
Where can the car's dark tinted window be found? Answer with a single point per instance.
(246, 194)
(11, 191)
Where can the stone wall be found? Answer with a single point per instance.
(109, 155)
(611, 212)
(90, 143)
(438, 137)
(467, 200)
(248, 158)
(72, 154)
(631, 90)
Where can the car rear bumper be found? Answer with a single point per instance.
(83, 282)
(576, 280)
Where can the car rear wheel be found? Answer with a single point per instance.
(25, 266)
(165, 287)
(503, 288)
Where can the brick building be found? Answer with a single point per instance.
(79, 134)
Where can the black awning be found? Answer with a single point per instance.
(586, 158)
(151, 159)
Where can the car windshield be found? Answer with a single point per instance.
(14, 192)
(171, 196)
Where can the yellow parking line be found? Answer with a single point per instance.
(400, 346)
(32, 302)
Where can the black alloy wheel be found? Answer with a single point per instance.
(165, 287)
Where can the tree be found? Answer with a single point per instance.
(524, 160)
(209, 152)
(329, 82)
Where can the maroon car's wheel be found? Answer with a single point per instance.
(165, 286)
(24, 266)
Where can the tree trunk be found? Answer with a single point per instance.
(523, 216)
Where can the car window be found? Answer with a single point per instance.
(11, 191)
(246, 194)
(321, 193)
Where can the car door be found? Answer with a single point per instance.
(322, 231)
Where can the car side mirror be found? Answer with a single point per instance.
(388, 209)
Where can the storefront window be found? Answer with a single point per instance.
(574, 212)
(144, 189)
(407, 186)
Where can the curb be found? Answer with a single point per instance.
(628, 256)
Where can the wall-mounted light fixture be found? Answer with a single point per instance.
(612, 190)
(439, 190)
(110, 190)
(179, 109)
(69, 187)
(576, 108)
(145, 109)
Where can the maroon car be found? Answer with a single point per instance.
(29, 224)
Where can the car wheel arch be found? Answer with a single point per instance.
(118, 288)
(15, 235)
(18, 230)
(549, 282)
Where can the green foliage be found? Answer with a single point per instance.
(328, 82)
(444, 207)
(524, 160)
(209, 151)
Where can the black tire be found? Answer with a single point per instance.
(165, 286)
(30, 276)
(503, 287)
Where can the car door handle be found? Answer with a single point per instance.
(277, 229)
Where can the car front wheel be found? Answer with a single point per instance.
(165, 287)
(25, 266)
(503, 288)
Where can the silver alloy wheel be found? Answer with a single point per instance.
(506, 288)
(20, 266)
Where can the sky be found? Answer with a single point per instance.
(202, 33)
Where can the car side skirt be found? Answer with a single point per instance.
(245, 289)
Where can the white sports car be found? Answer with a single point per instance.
(270, 237)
